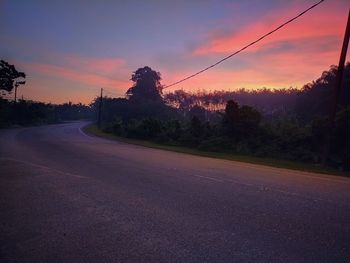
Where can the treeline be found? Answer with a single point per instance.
(242, 130)
(314, 99)
(296, 132)
(265, 100)
(285, 124)
(35, 113)
(25, 112)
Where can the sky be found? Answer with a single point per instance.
(69, 49)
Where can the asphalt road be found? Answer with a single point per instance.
(69, 197)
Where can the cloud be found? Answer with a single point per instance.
(101, 66)
(291, 64)
(77, 75)
(218, 79)
(318, 24)
(293, 56)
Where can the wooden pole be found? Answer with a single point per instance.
(16, 92)
(99, 111)
(337, 89)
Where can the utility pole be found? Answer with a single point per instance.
(16, 85)
(337, 89)
(99, 111)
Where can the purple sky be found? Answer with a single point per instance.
(70, 49)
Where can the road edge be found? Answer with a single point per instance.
(90, 129)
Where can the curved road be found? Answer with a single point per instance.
(69, 197)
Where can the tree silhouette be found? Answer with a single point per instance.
(231, 112)
(146, 86)
(240, 121)
(9, 76)
(315, 98)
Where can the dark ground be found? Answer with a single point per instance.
(68, 197)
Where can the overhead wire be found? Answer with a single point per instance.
(246, 46)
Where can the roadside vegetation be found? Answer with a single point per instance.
(272, 126)
(229, 123)
(93, 130)
(26, 112)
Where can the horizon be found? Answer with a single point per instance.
(102, 45)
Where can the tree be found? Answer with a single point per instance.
(196, 127)
(315, 98)
(146, 86)
(230, 118)
(9, 76)
(249, 119)
(241, 121)
(231, 111)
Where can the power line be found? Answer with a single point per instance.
(245, 47)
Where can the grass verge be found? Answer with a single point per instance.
(93, 130)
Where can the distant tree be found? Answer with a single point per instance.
(316, 97)
(241, 121)
(146, 86)
(150, 128)
(272, 102)
(9, 77)
(193, 132)
(249, 119)
(231, 111)
(196, 127)
(230, 118)
(199, 112)
(179, 99)
(172, 130)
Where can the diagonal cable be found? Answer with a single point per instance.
(245, 47)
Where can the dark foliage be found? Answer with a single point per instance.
(314, 100)
(35, 113)
(269, 102)
(144, 101)
(237, 121)
(9, 76)
(286, 124)
(146, 86)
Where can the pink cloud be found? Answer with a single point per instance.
(74, 78)
(293, 56)
(322, 22)
(43, 89)
(97, 65)
(78, 76)
(274, 70)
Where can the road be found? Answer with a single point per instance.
(69, 197)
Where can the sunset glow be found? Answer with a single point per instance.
(69, 51)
